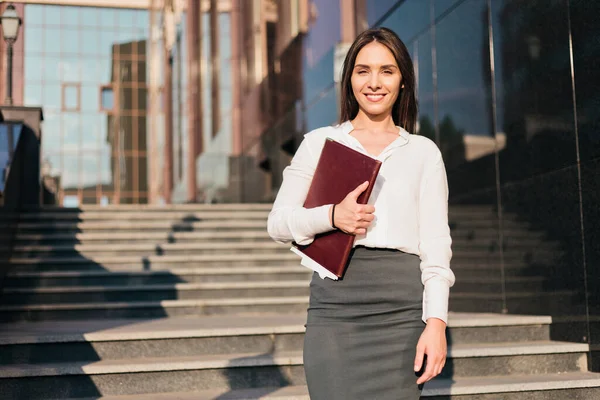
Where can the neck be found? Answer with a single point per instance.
(375, 124)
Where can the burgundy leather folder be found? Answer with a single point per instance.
(339, 170)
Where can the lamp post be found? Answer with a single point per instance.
(10, 22)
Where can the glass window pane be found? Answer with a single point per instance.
(51, 68)
(33, 95)
(33, 40)
(89, 98)
(51, 141)
(70, 40)
(71, 129)
(107, 98)
(89, 169)
(71, 171)
(54, 159)
(142, 20)
(90, 41)
(126, 19)
(106, 170)
(71, 97)
(92, 131)
(34, 15)
(89, 70)
(107, 39)
(70, 68)
(52, 40)
(90, 17)
(463, 84)
(52, 96)
(108, 17)
(70, 16)
(34, 69)
(52, 15)
(409, 19)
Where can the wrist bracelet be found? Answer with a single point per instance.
(332, 217)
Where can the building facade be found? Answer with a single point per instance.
(506, 89)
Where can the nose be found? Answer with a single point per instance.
(374, 84)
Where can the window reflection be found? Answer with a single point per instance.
(78, 52)
(34, 70)
(34, 15)
(34, 40)
(463, 84)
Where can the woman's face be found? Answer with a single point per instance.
(376, 79)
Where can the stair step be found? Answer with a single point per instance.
(77, 341)
(516, 238)
(260, 242)
(153, 309)
(274, 249)
(154, 292)
(583, 385)
(151, 262)
(174, 215)
(127, 226)
(463, 360)
(175, 275)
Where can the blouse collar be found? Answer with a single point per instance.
(347, 127)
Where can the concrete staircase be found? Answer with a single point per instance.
(196, 302)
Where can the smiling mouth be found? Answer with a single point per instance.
(374, 98)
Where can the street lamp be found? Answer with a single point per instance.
(10, 22)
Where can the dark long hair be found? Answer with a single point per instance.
(404, 112)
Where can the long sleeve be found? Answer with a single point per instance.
(435, 242)
(289, 220)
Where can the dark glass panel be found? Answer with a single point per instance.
(464, 89)
(423, 63)
(411, 18)
(323, 112)
(377, 9)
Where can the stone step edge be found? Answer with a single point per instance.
(183, 286)
(111, 247)
(252, 360)
(279, 251)
(261, 270)
(283, 256)
(439, 387)
(162, 304)
(291, 269)
(71, 331)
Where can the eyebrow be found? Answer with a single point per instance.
(383, 66)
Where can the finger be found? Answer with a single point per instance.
(368, 209)
(357, 192)
(419, 359)
(429, 370)
(360, 231)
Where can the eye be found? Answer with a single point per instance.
(362, 72)
(388, 72)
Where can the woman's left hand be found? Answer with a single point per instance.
(432, 343)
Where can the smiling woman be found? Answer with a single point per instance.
(365, 337)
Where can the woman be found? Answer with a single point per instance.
(365, 334)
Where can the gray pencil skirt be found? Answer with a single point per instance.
(362, 331)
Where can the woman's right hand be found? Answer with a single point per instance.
(351, 217)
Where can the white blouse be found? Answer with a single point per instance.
(411, 206)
